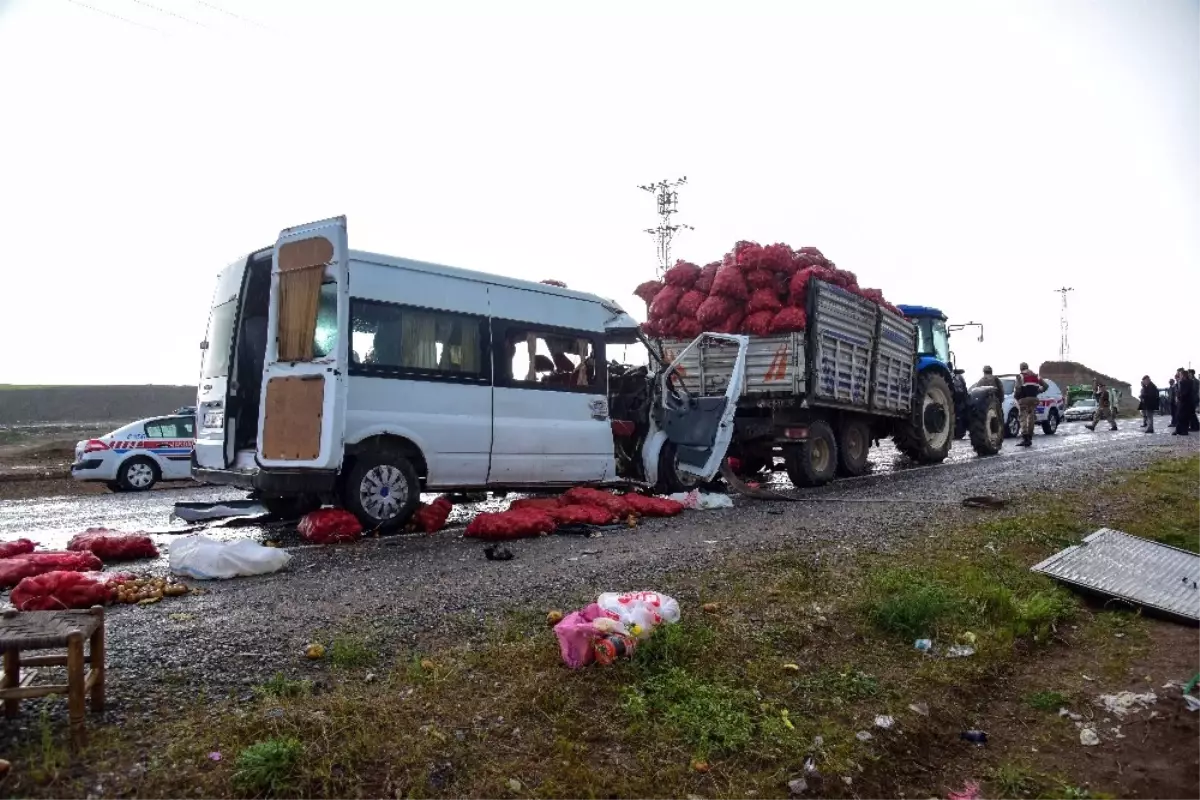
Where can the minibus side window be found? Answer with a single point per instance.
(544, 360)
(388, 339)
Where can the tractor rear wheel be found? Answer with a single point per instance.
(987, 427)
(927, 437)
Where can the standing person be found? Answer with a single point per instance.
(1171, 392)
(1149, 403)
(1184, 402)
(1029, 386)
(1195, 401)
(991, 380)
(1104, 409)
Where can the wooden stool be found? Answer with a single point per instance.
(44, 630)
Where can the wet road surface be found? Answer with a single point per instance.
(403, 591)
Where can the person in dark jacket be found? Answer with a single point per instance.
(1195, 411)
(1149, 404)
(1171, 401)
(1185, 402)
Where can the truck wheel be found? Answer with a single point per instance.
(927, 440)
(382, 490)
(1051, 423)
(853, 444)
(138, 475)
(1012, 428)
(814, 462)
(670, 479)
(987, 428)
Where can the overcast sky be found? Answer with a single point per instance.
(972, 156)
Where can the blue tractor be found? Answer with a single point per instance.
(947, 409)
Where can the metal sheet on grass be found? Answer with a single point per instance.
(1133, 569)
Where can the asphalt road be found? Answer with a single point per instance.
(403, 591)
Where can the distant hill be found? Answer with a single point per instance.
(26, 404)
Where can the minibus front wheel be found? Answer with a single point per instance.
(382, 489)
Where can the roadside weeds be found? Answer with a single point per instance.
(778, 684)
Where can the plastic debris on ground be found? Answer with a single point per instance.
(1088, 737)
(1123, 703)
(610, 628)
(969, 791)
(974, 737)
(919, 708)
(330, 526)
(924, 645)
(864, 736)
(15, 569)
(701, 501)
(960, 651)
(497, 553)
(199, 512)
(1192, 702)
(797, 786)
(431, 518)
(884, 721)
(110, 545)
(205, 558)
(19, 547)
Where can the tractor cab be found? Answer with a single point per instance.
(933, 338)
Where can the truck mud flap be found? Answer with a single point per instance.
(739, 486)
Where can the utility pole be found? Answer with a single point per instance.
(668, 204)
(1064, 346)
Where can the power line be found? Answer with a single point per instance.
(230, 13)
(114, 16)
(169, 13)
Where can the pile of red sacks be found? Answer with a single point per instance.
(17, 568)
(538, 516)
(753, 289)
(9, 549)
(112, 545)
(52, 591)
(431, 518)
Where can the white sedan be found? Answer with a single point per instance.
(139, 455)
(1081, 411)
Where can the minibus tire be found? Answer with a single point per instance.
(379, 462)
(670, 479)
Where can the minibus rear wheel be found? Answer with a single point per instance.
(382, 489)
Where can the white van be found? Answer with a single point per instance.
(332, 375)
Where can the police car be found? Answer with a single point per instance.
(139, 455)
(1051, 410)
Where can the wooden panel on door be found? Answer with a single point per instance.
(292, 425)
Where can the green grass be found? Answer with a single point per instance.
(267, 767)
(281, 686)
(794, 651)
(351, 652)
(1048, 700)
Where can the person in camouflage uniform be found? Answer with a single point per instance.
(991, 380)
(1104, 409)
(1026, 392)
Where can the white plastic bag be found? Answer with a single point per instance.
(208, 559)
(703, 501)
(640, 612)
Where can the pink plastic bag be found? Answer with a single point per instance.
(575, 633)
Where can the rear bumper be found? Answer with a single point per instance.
(93, 469)
(272, 482)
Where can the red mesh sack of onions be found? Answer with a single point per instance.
(811, 251)
(669, 328)
(647, 291)
(53, 591)
(689, 304)
(432, 518)
(688, 328)
(585, 496)
(330, 526)
(730, 283)
(653, 506)
(651, 328)
(17, 568)
(9, 549)
(747, 255)
(113, 545)
(732, 323)
(582, 515)
(683, 274)
(758, 323)
(713, 310)
(665, 302)
(778, 258)
(788, 320)
(537, 503)
(764, 300)
(760, 279)
(798, 286)
(520, 524)
(707, 273)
